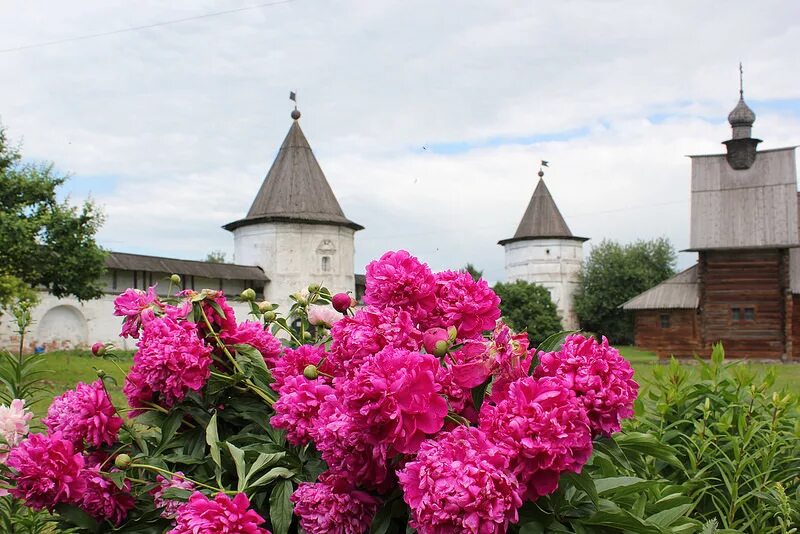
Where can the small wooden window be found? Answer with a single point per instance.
(736, 314)
(749, 314)
(114, 280)
(665, 323)
(326, 264)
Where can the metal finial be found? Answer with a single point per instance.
(541, 165)
(741, 83)
(293, 98)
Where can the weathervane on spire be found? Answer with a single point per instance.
(542, 164)
(293, 98)
(741, 83)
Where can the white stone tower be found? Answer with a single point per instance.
(295, 229)
(544, 251)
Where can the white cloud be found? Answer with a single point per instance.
(187, 117)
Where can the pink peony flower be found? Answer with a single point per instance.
(171, 361)
(298, 406)
(394, 397)
(472, 307)
(252, 333)
(326, 507)
(170, 506)
(102, 499)
(294, 361)
(356, 338)
(342, 302)
(347, 449)
(14, 421)
(216, 308)
(323, 315)
(99, 348)
(471, 364)
(399, 280)
(602, 379)
(220, 516)
(511, 359)
(130, 304)
(543, 427)
(84, 414)
(48, 471)
(460, 482)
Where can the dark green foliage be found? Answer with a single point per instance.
(738, 445)
(216, 256)
(614, 273)
(473, 272)
(43, 241)
(528, 307)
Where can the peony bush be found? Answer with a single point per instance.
(421, 411)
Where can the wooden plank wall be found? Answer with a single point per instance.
(756, 279)
(680, 339)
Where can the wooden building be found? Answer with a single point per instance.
(745, 287)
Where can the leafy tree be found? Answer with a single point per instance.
(528, 307)
(44, 242)
(614, 273)
(215, 256)
(473, 272)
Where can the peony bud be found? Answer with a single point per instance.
(452, 334)
(248, 295)
(313, 288)
(300, 298)
(306, 336)
(101, 373)
(264, 306)
(269, 316)
(311, 372)
(436, 341)
(98, 349)
(123, 461)
(341, 302)
(175, 279)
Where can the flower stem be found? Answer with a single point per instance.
(184, 477)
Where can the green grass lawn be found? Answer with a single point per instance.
(70, 367)
(67, 368)
(787, 375)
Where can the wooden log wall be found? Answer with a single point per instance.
(757, 279)
(679, 339)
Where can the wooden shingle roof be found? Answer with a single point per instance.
(295, 189)
(678, 292)
(542, 219)
(227, 271)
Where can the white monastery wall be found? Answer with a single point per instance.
(552, 263)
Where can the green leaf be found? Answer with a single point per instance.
(533, 527)
(584, 483)
(479, 392)
(382, 520)
(622, 520)
(622, 485)
(272, 474)
(76, 516)
(280, 507)
(168, 429)
(647, 445)
(212, 439)
(117, 477)
(263, 460)
(238, 460)
(667, 517)
(177, 494)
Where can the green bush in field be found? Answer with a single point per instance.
(738, 443)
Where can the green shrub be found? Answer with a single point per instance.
(738, 444)
(528, 308)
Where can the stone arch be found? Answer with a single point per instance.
(62, 327)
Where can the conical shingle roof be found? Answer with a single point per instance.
(542, 219)
(295, 189)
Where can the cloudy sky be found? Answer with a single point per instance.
(171, 127)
